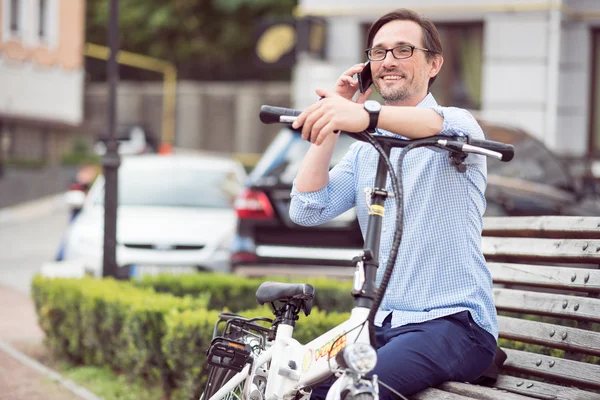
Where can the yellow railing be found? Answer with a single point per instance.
(151, 64)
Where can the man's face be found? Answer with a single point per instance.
(400, 81)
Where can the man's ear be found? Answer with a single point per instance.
(436, 65)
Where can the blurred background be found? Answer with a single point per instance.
(193, 75)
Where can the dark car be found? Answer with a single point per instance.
(535, 182)
(265, 232)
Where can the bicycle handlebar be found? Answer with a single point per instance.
(272, 115)
(501, 151)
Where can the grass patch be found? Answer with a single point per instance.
(104, 383)
(101, 381)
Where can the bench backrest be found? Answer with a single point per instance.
(546, 290)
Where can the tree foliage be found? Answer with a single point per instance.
(200, 36)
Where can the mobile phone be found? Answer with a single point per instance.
(365, 78)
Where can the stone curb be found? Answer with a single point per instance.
(79, 391)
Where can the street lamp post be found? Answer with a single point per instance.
(111, 159)
(1, 150)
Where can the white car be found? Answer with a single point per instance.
(175, 214)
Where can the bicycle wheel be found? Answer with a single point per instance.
(217, 377)
(359, 396)
(245, 332)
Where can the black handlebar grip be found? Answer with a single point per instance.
(507, 150)
(270, 114)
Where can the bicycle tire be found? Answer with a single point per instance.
(360, 396)
(217, 377)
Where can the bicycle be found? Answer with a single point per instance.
(250, 361)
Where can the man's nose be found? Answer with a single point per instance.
(389, 60)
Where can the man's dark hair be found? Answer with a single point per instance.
(430, 34)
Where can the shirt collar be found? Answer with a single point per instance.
(428, 101)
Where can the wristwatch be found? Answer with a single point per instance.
(373, 108)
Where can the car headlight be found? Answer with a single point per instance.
(359, 357)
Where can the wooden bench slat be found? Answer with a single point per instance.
(541, 250)
(581, 279)
(559, 369)
(437, 394)
(511, 246)
(550, 335)
(542, 390)
(480, 392)
(556, 305)
(543, 227)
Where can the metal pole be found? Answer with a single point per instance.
(2, 149)
(111, 159)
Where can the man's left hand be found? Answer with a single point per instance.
(331, 113)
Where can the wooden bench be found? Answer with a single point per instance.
(545, 267)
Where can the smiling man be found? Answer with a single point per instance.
(437, 321)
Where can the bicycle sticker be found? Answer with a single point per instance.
(376, 210)
(307, 362)
(327, 350)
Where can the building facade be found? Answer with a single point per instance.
(41, 77)
(526, 63)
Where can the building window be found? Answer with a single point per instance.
(43, 19)
(594, 133)
(458, 83)
(14, 15)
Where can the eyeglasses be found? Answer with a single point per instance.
(399, 52)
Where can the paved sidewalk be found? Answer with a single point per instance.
(32, 209)
(21, 377)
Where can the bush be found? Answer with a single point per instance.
(80, 153)
(144, 334)
(187, 337)
(106, 322)
(237, 293)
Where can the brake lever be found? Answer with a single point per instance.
(467, 148)
(287, 119)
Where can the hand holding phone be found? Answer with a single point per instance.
(365, 78)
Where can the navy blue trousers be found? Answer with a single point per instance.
(413, 357)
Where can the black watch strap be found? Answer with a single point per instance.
(373, 119)
(373, 108)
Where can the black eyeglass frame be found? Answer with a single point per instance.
(412, 51)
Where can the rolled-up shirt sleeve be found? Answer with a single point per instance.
(315, 208)
(459, 122)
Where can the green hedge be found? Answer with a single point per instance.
(105, 322)
(237, 293)
(131, 328)
(143, 334)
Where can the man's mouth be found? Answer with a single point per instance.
(392, 77)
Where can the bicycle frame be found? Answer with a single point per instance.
(314, 361)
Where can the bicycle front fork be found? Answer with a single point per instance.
(351, 386)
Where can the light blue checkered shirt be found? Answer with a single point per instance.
(440, 269)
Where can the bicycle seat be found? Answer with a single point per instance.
(269, 292)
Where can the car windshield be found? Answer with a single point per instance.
(170, 187)
(284, 155)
